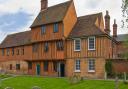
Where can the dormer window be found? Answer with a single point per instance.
(55, 29)
(43, 29)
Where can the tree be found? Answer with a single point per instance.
(125, 55)
(125, 23)
(125, 12)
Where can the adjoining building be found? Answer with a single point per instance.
(60, 44)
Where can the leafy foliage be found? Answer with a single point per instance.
(108, 67)
(125, 55)
(125, 11)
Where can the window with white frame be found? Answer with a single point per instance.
(91, 65)
(91, 43)
(77, 45)
(77, 66)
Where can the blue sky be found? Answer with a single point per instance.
(18, 15)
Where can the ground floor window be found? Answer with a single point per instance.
(17, 66)
(55, 66)
(77, 66)
(91, 65)
(29, 65)
(10, 66)
(45, 66)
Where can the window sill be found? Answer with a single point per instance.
(91, 49)
(77, 71)
(77, 50)
(91, 71)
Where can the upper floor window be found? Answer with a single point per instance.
(77, 45)
(43, 29)
(23, 51)
(59, 45)
(46, 46)
(7, 52)
(56, 27)
(35, 47)
(18, 51)
(3, 52)
(12, 51)
(91, 43)
(91, 65)
(77, 66)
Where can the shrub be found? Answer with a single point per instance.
(108, 68)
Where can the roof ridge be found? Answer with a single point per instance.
(18, 33)
(89, 15)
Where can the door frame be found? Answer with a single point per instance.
(60, 70)
(38, 65)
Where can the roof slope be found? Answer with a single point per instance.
(122, 37)
(52, 14)
(85, 26)
(17, 39)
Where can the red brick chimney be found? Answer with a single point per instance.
(107, 23)
(114, 29)
(44, 4)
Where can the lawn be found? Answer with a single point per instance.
(22, 82)
(3, 76)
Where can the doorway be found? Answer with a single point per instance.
(62, 70)
(38, 69)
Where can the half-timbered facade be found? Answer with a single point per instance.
(61, 44)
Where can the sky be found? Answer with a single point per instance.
(18, 15)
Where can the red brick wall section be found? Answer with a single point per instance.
(120, 66)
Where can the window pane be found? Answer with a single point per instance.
(7, 52)
(91, 41)
(77, 45)
(46, 47)
(59, 45)
(55, 27)
(43, 29)
(91, 64)
(35, 47)
(12, 51)
(17, 66)
(77, 65)
(3, 52)
(29, 65)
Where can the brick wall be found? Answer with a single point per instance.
(99, 68)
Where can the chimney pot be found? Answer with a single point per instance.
(44, 4)
(114, 29)
(107, 23)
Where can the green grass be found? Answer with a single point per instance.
(23, 82)
(2, 76)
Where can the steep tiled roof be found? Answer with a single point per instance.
(85, 26)
(52, 14)
(122, 37)
(17, 39)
